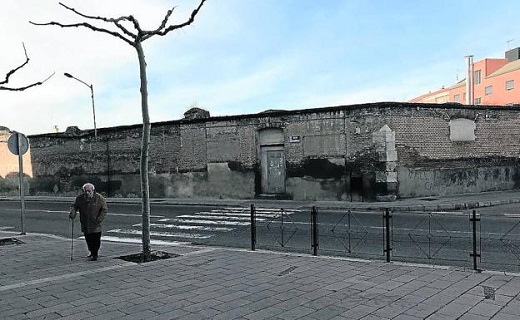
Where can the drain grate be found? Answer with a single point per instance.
(8, 241)
(287, 271)
(155, 255)
(489, 292)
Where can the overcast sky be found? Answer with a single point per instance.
(241, 56)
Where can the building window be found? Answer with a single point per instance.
(456, 98)
(510, 84)
(478, 100)
(478, 77)
(489, 90)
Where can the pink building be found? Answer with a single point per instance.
(9, 161)
(495, 82)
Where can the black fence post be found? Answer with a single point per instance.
(473, 219)
(386, 231)
(282, 227)
(314, 226)
(253, 227)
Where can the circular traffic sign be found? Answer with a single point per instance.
(18, 144)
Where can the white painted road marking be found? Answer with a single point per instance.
(161, 234)
(207, 223)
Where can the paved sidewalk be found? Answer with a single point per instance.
(39, 281)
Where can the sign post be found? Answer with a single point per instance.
(18, 145)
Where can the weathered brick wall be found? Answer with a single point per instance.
(165, 146)
(316, 161)
(424, 130)
(124, 150)
(429, 162)
(193, 156)
(329, 153)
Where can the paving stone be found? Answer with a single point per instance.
(422, 310)
(296, 313)
(237, 313)
(505, 316)
(264, 313)
(406, 317)
(454, 310)
(327, 312)
(390, 311)
(512, 308)
(486, 309)
(472, 316)
(359, 311)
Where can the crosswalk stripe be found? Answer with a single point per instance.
(206, 223)
(237, 214)
(161, 234)
(512, 215)
(260, 209)
(203, 222)
(211, 217)
(138, 240)
(183, 227)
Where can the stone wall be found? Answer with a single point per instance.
(330, 154)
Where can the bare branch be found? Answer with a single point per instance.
(136, 23)
(125, 30)
(163, 23)
(10, 73)
(164, 31)
(116, 21)
(87, 16)
(86, 25)
(26, 87)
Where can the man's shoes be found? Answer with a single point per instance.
(89, 255)
(93, 258)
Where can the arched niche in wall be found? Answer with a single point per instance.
(270, 136)
(272, 160)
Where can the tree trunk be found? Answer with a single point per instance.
(145, 186)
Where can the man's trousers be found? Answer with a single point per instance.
(93, 242)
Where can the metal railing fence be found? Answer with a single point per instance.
(460, 238)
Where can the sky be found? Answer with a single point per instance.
(239, 56)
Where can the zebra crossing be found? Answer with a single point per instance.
(196, 227)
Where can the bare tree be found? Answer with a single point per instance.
(134, 35)
(10, 73)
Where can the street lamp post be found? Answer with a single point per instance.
(68, 75)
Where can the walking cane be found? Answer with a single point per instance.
(72, 242)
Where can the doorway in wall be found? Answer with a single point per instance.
(273, 170)
(272, 161)
(356, 186)
(362, 186)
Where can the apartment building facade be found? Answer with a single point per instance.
(493, 81)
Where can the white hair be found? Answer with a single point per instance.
(90, 185)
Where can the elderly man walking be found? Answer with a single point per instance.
(92, 209)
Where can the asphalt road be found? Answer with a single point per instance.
(51, 217)
(433, 238)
